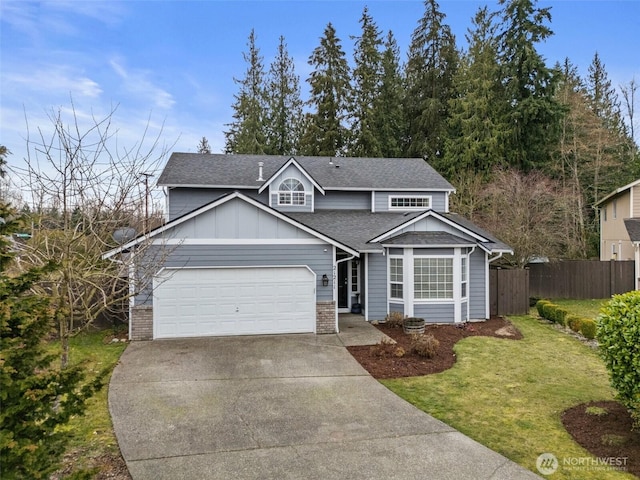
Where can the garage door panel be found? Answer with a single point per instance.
(234, 301)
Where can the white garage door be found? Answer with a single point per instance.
(194, 302)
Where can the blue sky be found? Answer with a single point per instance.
(173, 62)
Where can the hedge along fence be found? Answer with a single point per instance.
(585, 326)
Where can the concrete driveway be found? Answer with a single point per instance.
(278, 407)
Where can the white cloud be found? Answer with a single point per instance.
(137, 82)
(52, 79)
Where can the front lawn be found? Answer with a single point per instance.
(509, 395)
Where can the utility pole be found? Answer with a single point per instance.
(146, 200)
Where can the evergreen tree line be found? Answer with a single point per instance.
(496, 105)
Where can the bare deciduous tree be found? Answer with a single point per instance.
(527, 212)
(84, 187)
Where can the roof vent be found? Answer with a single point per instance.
(260, 165)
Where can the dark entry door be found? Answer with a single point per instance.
(343, 285)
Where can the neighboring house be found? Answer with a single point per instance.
(620, 225)
(261, 244)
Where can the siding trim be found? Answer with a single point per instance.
(238, 241)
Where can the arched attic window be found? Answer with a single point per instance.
(291, 192)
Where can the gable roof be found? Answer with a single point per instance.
(616, 192)
(353, 227)
(633, 229)
(301, 169)
(331, 173)
(211, 205)
(368, 232)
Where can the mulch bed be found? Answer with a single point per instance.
(605, 436)
(381, 360)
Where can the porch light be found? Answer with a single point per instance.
(325, 280)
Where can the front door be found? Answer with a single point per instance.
(343, 285)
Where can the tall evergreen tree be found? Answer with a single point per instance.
(203, 146)
(326, 132)
(365, 140)
(284, 105)
(388, 111)
(573, 165)
(476, 133)
(247, 133)
(612, 147)
(432, 62)
(529, 84)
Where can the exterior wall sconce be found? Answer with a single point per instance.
(325, 280)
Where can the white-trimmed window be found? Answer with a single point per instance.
(395, 278)
(464, 275)
(433, 278)
(291, 192)
(409, 202)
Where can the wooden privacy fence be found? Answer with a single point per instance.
(508, 292)
(581, 279)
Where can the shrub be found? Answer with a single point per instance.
(394, 319)
(560, 314)
(588, 328)
(386, 347)
(574, 322)
(540, 305)
(618, 334)
(548, 311)
(424, 345)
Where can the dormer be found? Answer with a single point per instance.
(291, 188)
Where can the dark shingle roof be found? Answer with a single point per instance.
(633, 228)
(427, 239)
(202, 170)
(353, 228)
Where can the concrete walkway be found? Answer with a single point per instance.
(278, 407)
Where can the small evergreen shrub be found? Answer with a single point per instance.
(394, 319)
(424, 345)
(618, 333)
(548, 311)
(540, 305)
(574, 322)
(560, 315)
(588, 328)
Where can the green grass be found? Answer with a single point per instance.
(509, 395)
(91, 435)
(584, 308)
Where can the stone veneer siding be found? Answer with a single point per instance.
(141, 323)
(326, 317)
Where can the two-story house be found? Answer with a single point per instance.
(620, 225)
(259, 244)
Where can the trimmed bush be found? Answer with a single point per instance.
(574, 322)
(559, 315)
(618, 334)
(424, 345)
(548, 311)
(588, 328)
(539, 306)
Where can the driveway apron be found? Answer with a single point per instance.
(278, 407)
